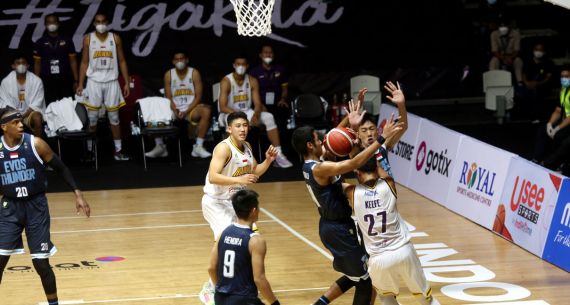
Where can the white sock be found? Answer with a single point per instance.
(158, 141)
(89, 145)
(118, 145)
(199, 141)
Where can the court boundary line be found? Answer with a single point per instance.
(297, 234)
(128, 214)
(166, 297)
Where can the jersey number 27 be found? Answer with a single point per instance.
(370, 219)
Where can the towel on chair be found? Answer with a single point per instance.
(156, 109)
(34, 96)
(61, 115)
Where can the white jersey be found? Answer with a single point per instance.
(182, 89)
(103, 63)
(240, 163)
(240, 96)
(377, 215)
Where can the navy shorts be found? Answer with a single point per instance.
(31, 214)
(340, 238)
(233, 299)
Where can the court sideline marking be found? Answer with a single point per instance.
(128, 214)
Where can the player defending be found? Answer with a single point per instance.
(386, 237)
(24, 203)
(232, 168)
(336, 227)
(237, 262)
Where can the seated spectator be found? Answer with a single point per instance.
(23, 91)
(505, 47)
(183, 87)
(551, 136)
(537, 74)
(239, 92)
(273, 86)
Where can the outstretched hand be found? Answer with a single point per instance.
(391, 127)
(354, 114)
(271, 153)
(396, 94)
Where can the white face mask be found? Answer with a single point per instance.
(21, 69)
(267, 60)
(503, 30)
(52, 28)
(101, 28)
(538, 54)
(180, 65)
(240, 70)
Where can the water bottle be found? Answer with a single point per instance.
(135, 130)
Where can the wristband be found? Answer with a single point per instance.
(381, 139)
(276, 303)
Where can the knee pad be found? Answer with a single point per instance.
(268, 120)
(46, 274)
(93, 117)
(113, 117)
(344, 283)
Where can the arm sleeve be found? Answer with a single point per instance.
(63, 171)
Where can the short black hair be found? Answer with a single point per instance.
(565, 67)
(243, 202)
(51, 15)
(241, 56)
(180, 51)
(368, 117)
(370, 166)
(236, 115)
(20, 55)
(301, 136)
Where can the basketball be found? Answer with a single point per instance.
(339, 141)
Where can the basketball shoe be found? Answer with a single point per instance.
(159, 150)
(200, 151)
(207, 294)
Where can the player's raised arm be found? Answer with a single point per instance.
(270, 155)
(397, 97)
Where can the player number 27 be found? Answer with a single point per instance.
(370, 219)
(229, 259)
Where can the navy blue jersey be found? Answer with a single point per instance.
(330, 199)
(22, 172)
(235, 273)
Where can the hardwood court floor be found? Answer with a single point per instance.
(165, 244)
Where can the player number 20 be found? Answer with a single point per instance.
(229, 259)
(21, 192)
(370, 219)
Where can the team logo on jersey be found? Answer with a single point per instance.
(13, 155)
(5, 204)
(1, 145)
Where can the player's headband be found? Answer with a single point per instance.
(11, 117)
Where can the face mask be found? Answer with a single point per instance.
(52, 27)
(503, 30)
(565, 82)
(180, 65)
(101, 28)
(538, 54)
(21, 69)
(267, 60)
(240, 70)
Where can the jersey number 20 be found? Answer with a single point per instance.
(370, 219)
(229, 259)
(21, 192)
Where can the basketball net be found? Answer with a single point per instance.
(253, 16)
(563, 3)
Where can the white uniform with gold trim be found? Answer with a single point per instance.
(182, 89)
(387, 240)
(102, 74)
(216, 202)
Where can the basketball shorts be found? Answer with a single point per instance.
(387, 268)
(219, 213)
(232, 299)
(340, 238)
(106, 94)
(32, 215)
(266, 119)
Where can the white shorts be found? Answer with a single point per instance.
(108, 94)
(386, 268)
(266, 119)
(219, 213)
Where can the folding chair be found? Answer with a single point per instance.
(373, 96)
(83, 134)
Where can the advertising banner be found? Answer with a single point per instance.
(557, 247)
(401, 156)
(478, 180)
(434, 160)
(527, 204)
